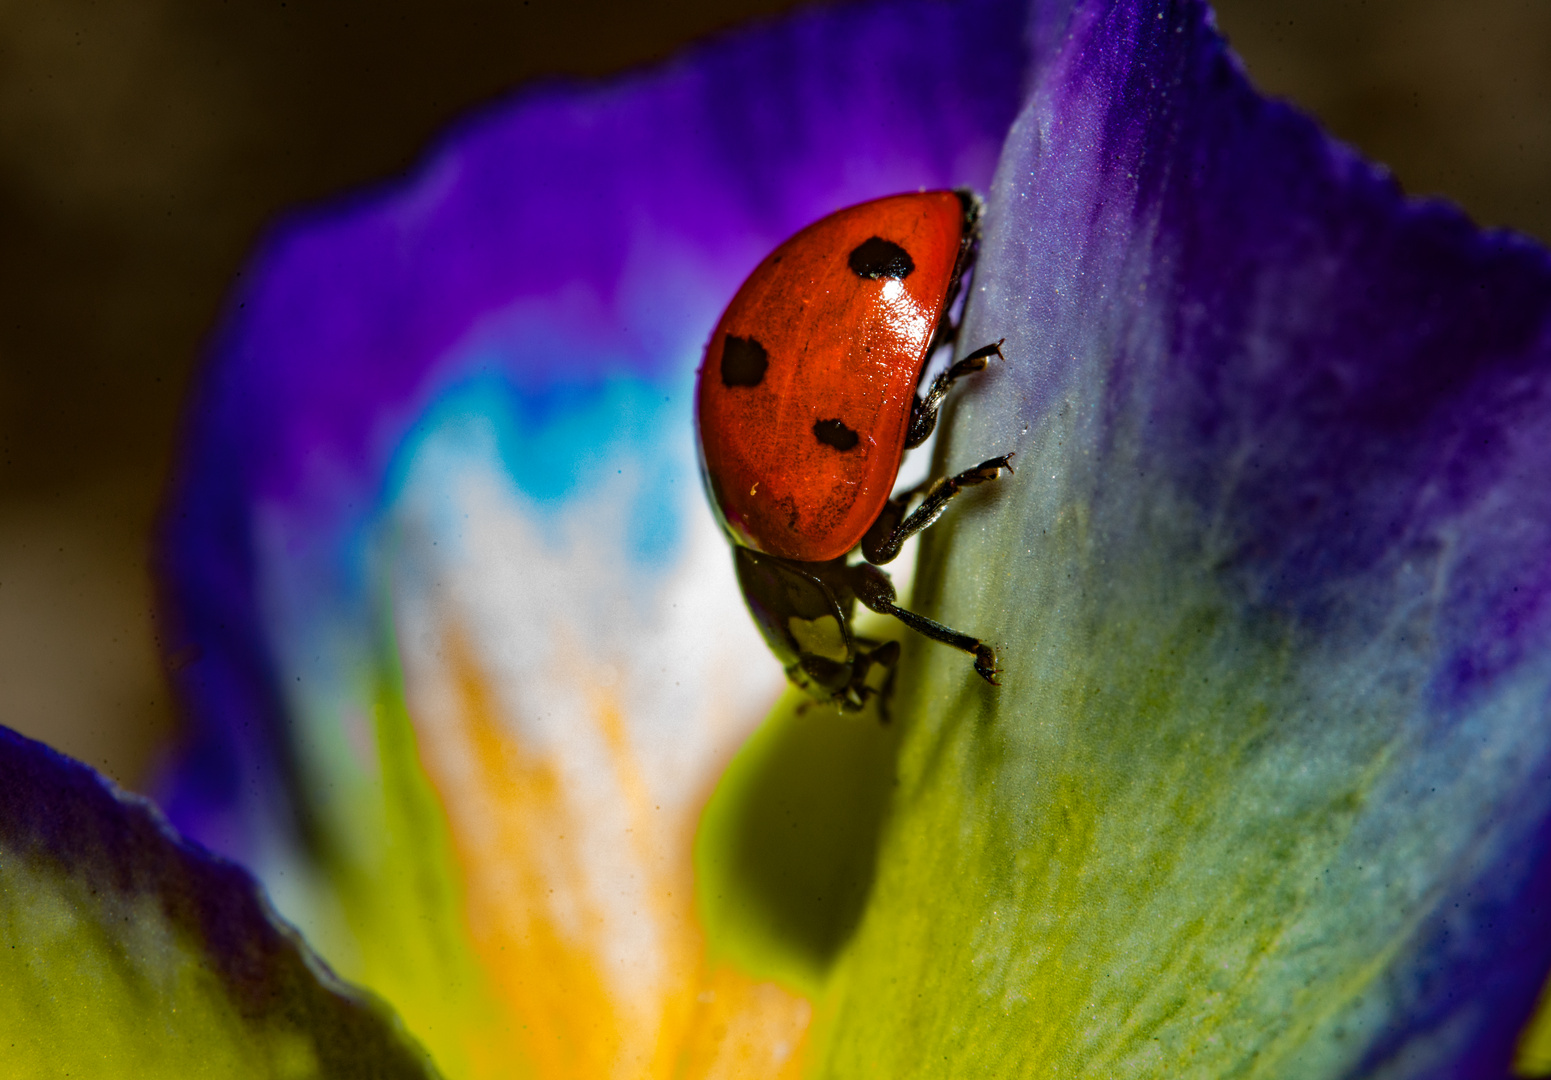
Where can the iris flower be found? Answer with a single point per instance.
(1265, 791)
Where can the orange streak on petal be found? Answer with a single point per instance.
(741, 1028)
(542, 934)
(510, 822)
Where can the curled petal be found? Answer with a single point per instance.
(1264, 791)
(127, 951)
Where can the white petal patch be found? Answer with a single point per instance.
(632, 684)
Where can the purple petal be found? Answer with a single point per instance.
(603, 225)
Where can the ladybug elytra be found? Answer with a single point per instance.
(806, 404)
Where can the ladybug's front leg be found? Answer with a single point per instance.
(887, 534)
(873, 657)
(923, 412)
(876, 592)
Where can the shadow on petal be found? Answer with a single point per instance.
(787, 849)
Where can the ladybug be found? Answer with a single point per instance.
(805, 405)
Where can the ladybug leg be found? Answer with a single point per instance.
(876, 541)
(883, 540)
(879, 655)
(863, 687)
(888, 519)
(923, 413)
(874, 589)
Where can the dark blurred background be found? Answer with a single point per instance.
(144, 144)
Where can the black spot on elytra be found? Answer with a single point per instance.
(744, 361)
(879, 258)
(834, 433)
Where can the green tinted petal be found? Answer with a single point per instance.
(125, 951)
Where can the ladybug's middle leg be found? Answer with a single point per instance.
(874, 589)
(887, 534)
(923, 412)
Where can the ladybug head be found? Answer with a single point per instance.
(803, 610)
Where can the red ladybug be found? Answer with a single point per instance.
(806, 405)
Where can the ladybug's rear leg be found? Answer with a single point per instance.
(887, 534)
(874, 589)
(923, 413)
